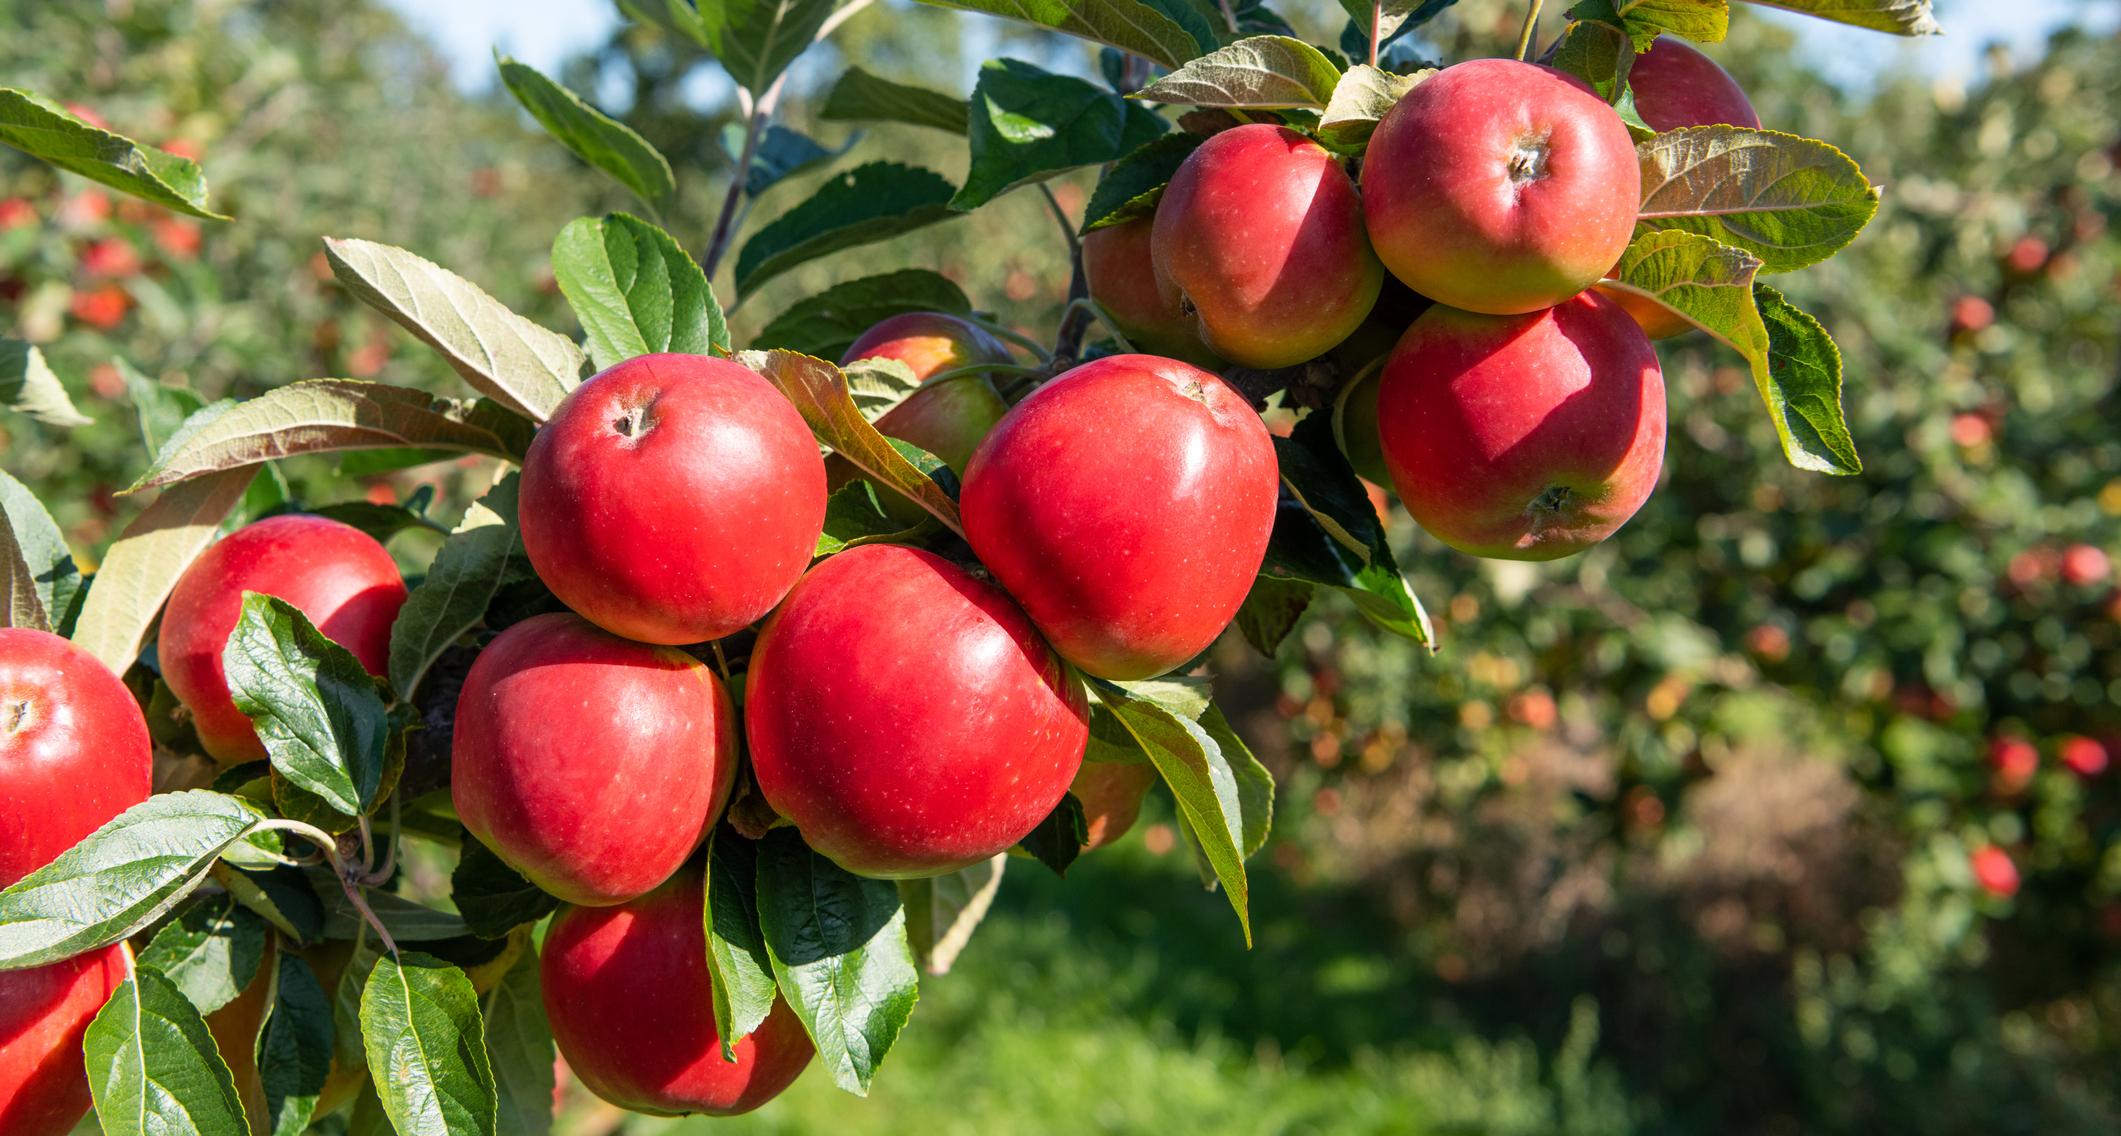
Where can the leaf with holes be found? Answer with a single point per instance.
(1790, 201)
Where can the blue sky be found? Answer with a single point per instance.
(542, 32)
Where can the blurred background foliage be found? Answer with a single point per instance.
(1787, 810)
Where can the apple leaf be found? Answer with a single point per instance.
(294, 1051)
(210, 952)
(313, 704)
(837, 942)
(1271, 610)
(1598, 53)
(481, 556)
(279, 895)
(153, 1069)
(1255, 786)
(827, 324)
(519, 1041)
(1707, 283)
(158, 407)
(942, 912)
(494, 898)
(854, 516)
(1391, 16)
(755, 40)
(48, 132)
(1901, 17)
(1702, 21)
(595, 137)
(871, 202)
(1129, 25)
(1326, 531)
(1132, 186)
(1059, 839)
(29, 387)
(120, 878)
(40, 586)
(780, 154)
(738, 965)
(819, 390)
(408, 921)
(1263, 72)
(1359, 100)
(1028, 124)
(143, 565)
(859, 96)
(1801, 382)
(507, 358)
(348, 1048)
(635, 291)
(1790, 201)
(426, 1046)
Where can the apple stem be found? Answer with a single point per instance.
(1531, 26)
(1067, 227)
(352, 883)
(1104, 317)
(1016, 337)
(721, 662)
(1377, 23)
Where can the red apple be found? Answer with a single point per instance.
(1127, 505)
(74, 750)
(1994, 871)
(335, 574)
(16, 213)
(632, 1008)
(907, 717)
(1111, 793)
(591, 764)
(2085, 757)
(1261, 233)
(1119, 268)
(1500, 187)
(1524, 437)
(103, 307)
(2015, 761)
(2085, 564)
(1971, 314)
(1677, 86)
(947, 419)
(110, 258)
(1656, 320)
(673, 498)
(930, 343)
(43, 1013)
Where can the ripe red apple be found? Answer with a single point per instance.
(2015, 762)
(1971, 314)
(673, 499)
(43, 1013)
(2085, 564)
(102, 307)
(1994, 871)
(1500, 187)
(1119, 268)
(1261, 233)
(632, 1008)
(907, 717)
(1111, 793)
(1675, 86)
(591, 764)
(930, 343)
(2084, 757)
(74, 750)
(1126, 504)
(336, 574)
(1524, 437)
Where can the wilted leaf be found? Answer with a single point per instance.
(595, 137)
(46, 131)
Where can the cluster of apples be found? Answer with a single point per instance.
(1517, 408)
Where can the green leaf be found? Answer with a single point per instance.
(46, 131)
(942, 912)
(210, 952)
(1359, 100)
(819, 391)
(153, 1069)
(484, 554)
(1028, 124)
(120, 878)
(840, 954)
(1263, 72)
(854, 516)
(143, 565)
(1702, 21)
(281, 896)
(1901, 17)
(40, 585)
(737, 963)
(1255, 786)
(294, 1052)
(28, 386)
(1211, 800)
(526, 368)
(494, 898)
(872, 202)
(314, 705)
(1059, 838)
(859, 96)
(1802, 386)
(1598, 53)
(595, 137)
(519, 1041)
(408, 921)
(1392, 17)
(1271, 610)
(426, 1046)
(1328, 533)
(1132, 186)
(1128, 25)
(781, 153)
(1710, 284)
(349, 1049)
(756, 40)
(827, 324)
(1790, 201)
(314, 417)
(159, 407)
(635, 291)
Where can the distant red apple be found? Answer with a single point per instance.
(337, 575)
(180, 238)
(74, 749)
(1676, 86)
(673, 498)
(1971, 431)
(632, 1008)
(2085, 564)
(1769, 642)
(110, 258)
(44, 1011)
(1524, 437)
(16, 213)
(591, 764)
(103, 308)
(2085, 757)
(2015, 762)
(1972, 314)
(1994, 871)
(2027, 256)
(1127, 505)
(1111, 794)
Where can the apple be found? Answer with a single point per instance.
(1525, 437)
(1994, 871)
(2015, 761)
(2085, 564)
(44, 1011)
(1677, 86)
(673, 498)
(949, 418)
(74, 749)
(337, 575)
(591, 764)
(907, 717)
(928, 342)
(2084, 756)
(1500, 187)
(1261, 234)
(1971, 314)
(1126, 505)
(1111, 794)
(103, 307)
(1119, 268)
(632, 1008)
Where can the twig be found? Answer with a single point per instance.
(1098, 312)
(349, 881)
(1068, 344)
(725, 221)
(833, 21)
(979, 369)
(1067, 228)
(1531, 26)
(721, 661)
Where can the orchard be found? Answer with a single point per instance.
(749, 666)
